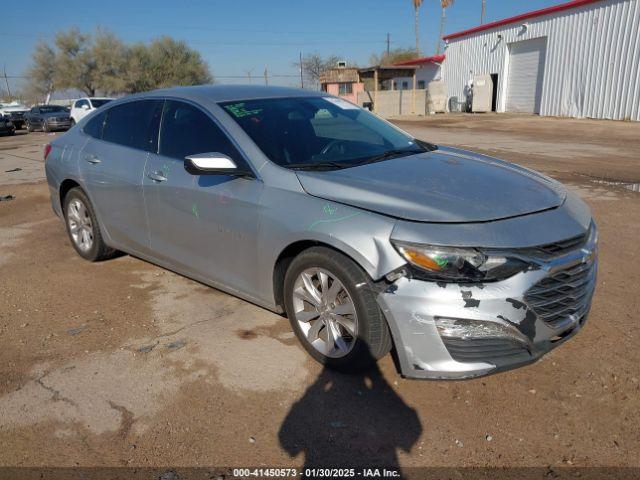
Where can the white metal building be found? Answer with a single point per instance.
(577, 59)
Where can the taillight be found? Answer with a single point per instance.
(47, 151)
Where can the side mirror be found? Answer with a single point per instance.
(211, 163)
(85, 107)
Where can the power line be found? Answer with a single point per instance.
(212, 29)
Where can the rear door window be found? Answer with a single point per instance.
(187, 130)
(134, 124)
(94, 126)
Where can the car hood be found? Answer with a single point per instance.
(14, 109)
(445, 186)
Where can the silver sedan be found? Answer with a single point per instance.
(367, 238)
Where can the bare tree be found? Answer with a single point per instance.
(314, 65)
(444, 4)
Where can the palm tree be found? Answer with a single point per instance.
(444, 4)
(416, 7)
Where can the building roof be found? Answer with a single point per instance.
(340, 75)
(521, 17)
(420, 61)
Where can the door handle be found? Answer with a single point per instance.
(92, 159)
(157, 176)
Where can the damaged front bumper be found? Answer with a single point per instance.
(457, 331)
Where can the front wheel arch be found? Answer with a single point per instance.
(289, 253)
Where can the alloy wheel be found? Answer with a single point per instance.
(325, 312)
(80, 224)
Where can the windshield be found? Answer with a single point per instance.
(51, 109)
(319, 132)
(98, 102)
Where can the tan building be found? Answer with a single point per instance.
(342, 81)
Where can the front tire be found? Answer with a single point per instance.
(83, 228)
(332, 307)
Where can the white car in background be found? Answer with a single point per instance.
(15, 112)
(84, 106)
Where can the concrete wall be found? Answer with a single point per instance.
(395, 103)
(592, 66)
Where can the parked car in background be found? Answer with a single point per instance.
(15, 112)
(48, 118)
(84, 106)
(6, 126)
(365, 236)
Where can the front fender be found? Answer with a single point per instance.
(359, 234)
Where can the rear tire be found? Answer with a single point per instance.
(364, 333)
(83, 227)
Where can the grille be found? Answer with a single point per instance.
(564, 297)
(484, 349)
(560, 248)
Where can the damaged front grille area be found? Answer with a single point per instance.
(558, 249)
(563, 298)
(484, 349)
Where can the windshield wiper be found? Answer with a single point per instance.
(318, 166)
(391, 154)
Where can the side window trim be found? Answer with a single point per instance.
(216, 122)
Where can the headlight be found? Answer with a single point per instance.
(452, 264)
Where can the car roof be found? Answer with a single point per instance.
(223, 93)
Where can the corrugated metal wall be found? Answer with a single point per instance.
(592, 66)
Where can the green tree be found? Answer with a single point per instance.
(394, 56)
(173, 63)
(108, 55)
(102, 62)
(42, 72)
(75, 63)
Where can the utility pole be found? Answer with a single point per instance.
(248, 72)
(301, 77)
(266, 77)
(6, 81)
(484, 11)
(442, 20)
(388, 44)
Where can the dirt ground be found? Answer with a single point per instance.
(122, 363)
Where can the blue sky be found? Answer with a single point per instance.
(247, 35)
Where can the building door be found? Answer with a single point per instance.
(526, 72)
